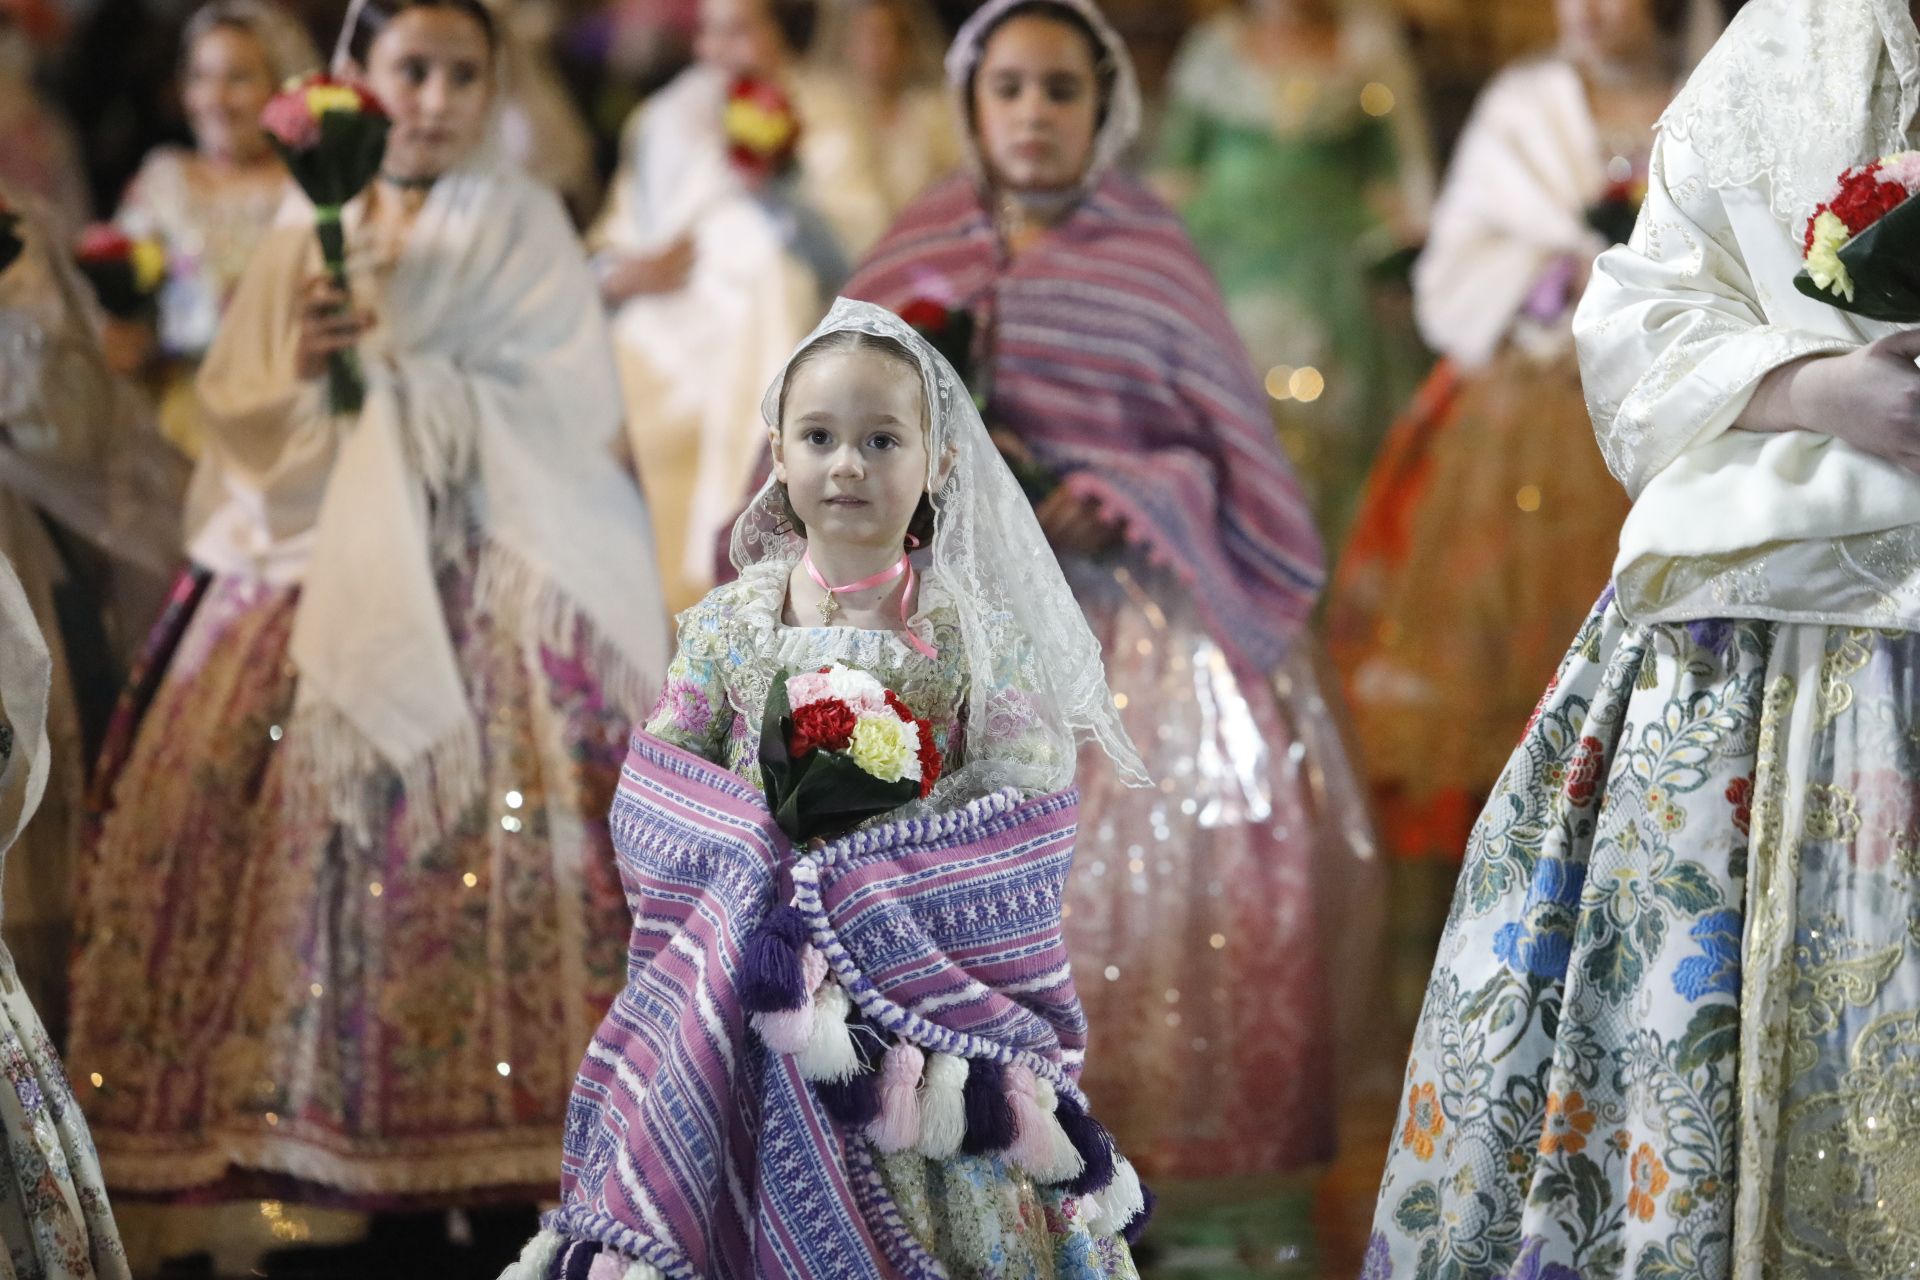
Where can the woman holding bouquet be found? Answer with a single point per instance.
(211, 205)
(1490, 521)
(1112, 373)
(353, 911)
(713, 262)
(1672, 1028)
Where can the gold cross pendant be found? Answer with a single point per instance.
(829, 607)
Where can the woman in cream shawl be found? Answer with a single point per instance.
(711, 276)
(354, 911)
(1675, 1019)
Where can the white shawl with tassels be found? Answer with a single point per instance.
(490, 376)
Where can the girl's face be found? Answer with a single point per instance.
(877, 44)
(228, 82)
(1036, 105)
(852, 448)
(740, 38)
(1606, 30)
(433, 69)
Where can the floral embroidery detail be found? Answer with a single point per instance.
(1533, 1265)
(1583, 774)
(1717, 971)
(689, 707)
(1567, 1126)
(1378, 1264)
(1649, 1181)
(1740, 796)
(1424, 1121)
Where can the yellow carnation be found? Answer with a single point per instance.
(758, 129)
(149, 265)
(886, 748)
(1824, 268)
(322, 98)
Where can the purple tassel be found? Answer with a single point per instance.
(1138, 1227)
(771, 979)
(990, 1119)
(577, 1260)
(1089, 1138)
(854, 1103)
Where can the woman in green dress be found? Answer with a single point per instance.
(1295, 146)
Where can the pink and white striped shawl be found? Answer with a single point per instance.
(1114, 360)
(690, 1146)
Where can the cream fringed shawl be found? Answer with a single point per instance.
(490, 376)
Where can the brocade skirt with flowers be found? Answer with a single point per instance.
(263, 1001)
(1674, 1028)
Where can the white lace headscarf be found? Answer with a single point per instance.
(988, 561)
(1118, 127)
(1798, 91)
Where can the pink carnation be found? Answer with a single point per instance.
(287, 118)
(808, 689)
(1904, 169)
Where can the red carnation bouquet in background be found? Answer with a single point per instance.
(955, 334)
(1863, 246)
(762, 128)
(837, 747)
(126, 274)
(332, 134)
(10, 241)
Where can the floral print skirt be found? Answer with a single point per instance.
(1674, 1027)
(986, 1221)
(54, 1220)
(266, 1001)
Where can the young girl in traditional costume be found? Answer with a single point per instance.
(354, 909)
(857, 1059)
(209, 206)
(1674, 1025)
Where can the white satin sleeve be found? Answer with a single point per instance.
(1678, 326)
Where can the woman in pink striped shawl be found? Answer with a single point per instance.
(1114, 381)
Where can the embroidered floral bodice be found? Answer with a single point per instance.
(733, 645)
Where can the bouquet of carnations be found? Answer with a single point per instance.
(332, 135)
(10, 242)
(837, 747)
(125, 273)
(953, 332)
(1863, 245)
(762, 128)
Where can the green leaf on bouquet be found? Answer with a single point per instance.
(1884, 261)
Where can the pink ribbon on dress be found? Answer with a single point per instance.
(902, 565)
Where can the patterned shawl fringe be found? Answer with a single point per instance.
(336, 772)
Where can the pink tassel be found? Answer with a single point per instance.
(898, 1127)
(1060, 1161)
(791, 1030)
(1032, 1146)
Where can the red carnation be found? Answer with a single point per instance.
(103, 242)
(1863, 200)
(930, 760)
(926, 315)
(899, 707)
(827, 723)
